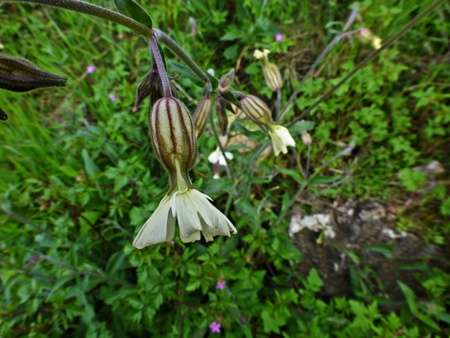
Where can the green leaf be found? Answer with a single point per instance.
(89, 165)
(412, 179)
(385, 249)
(214, 81)
(324, 179)
(410, 297)
(301, 127)
(293, 173)
(133, 10)
(313, 282)
(183, 70)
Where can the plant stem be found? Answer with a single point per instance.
(178, 51)
(160, 65)
(94, 10)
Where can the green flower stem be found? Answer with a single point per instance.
(160, 65)
(178, 51)
(371, 56)
(94, 10)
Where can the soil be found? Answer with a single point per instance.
(366, 229)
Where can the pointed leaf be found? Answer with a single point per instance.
(183, 70)
(133, 10)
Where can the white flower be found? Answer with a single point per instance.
(376, 42)
(329, 232)
(281, 139)
(194, 213)
(257, 54)
(217, 156)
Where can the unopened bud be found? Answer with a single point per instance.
(194, 27)
(149, 85)
(3, 115)
(256, 110)
(272, 76)
(19, 75)
(173, 137)
(226, 81)
(365, 35)
(222, 116)
(306, 138)
(201, 115)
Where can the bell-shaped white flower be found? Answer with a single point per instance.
(281, 139)
(194, 213)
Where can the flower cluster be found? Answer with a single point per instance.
(174, 134)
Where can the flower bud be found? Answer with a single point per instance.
(306, 138)
(365, 35)
(256, 110)
(173, 137)
(201, 115)
(272, 76)
(3, 115)
(226, 81)
(222, 116)
(19, 75)
(149, 85)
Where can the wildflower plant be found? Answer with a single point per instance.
(240, 126)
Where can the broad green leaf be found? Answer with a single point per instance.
(293, 173)
(133, 10)
(301, 127)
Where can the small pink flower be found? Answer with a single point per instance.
(215, 327)
(90, 69)
(220, 285)
(279, 37)
(112, 97)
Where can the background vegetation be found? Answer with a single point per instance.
(78, 177)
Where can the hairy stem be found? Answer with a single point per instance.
(160, 65)
(94, 10)
(178, 51)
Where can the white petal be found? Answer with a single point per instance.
(214, 157)
(160, 227)
(187, 216)
(281, 139)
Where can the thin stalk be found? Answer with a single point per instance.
(94, 10)
(160, 65)
(222, 150)
(178, 51)
(370, 57)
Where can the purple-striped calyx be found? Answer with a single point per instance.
(173, 137)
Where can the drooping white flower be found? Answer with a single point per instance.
(217, 156)
(281, 139)
(194, 213)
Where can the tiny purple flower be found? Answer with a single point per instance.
(90, 69)
(279, 37)
(215, 327)
(220, 285)
(112, 97)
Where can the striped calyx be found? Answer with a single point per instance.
(272, 76)
(222, 116)
(201, 115)
(19, 75)
(256, 110)
(173, 137)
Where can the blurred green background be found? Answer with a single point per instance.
(78, 176)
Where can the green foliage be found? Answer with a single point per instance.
(78, 177)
